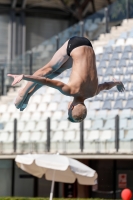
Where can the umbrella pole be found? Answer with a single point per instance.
(52, 186)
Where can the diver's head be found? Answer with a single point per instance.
(77, 111)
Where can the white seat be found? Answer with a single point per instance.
(129, 41)
(11, 138)
(36, 116)
(51, 90)
(54, 125)
(63, 106)
(46, 98)
(91, 114)
(106, 135)
(42, 107)
(93, 135)
(8, 127)
(66, 99)
(109, 124)
(25, 117)
(74, 126)
(69, 136)
(129, 135)
(20, 126)
(24, 137)
(126, 113)
(41, 126)
(121, 135)
(123, 123)
(4, 136)
(101, 114)
(35, 136)
(3, 108)
(52, 106)
(57, 136)
(30, 126)
(44, 137)
(11, 108)
(31, 108)
(65, 115)
(120, 42)
(95, 105)
(5, 117)
(36, 99)
(40, 91)
(65, 79)
(57, 97)
(16, 115)
(97, 124)
(112, 114)
(99, 50)
(45, 115)
(77, 138)
(57, 115)
(63, 125)
(87, 124)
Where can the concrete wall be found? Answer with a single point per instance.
(37, 30)
(40, 29)
(44, 187)
(5, 177)
(24, 185)
(4, 36)
(108, 172)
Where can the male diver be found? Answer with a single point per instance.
(83, 81)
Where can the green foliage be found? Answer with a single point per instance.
(26, 198)
(118, 10)
(22, 198)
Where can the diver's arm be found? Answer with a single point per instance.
(109, 85)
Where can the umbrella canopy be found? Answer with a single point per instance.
(66, 169)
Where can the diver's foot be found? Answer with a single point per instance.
(25, 102)
(19, 99)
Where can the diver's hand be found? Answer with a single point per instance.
(120, 86)
(17, 78)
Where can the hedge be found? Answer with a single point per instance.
(28, 198)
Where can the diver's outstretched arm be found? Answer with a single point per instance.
(59, 58)
(62, 87)
(109, 85)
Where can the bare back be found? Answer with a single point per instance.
(83, 79)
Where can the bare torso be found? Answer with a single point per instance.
(83, 79)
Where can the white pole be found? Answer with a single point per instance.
(52, 186)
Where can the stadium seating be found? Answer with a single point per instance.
(114, 58)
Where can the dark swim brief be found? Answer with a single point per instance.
(77, 42)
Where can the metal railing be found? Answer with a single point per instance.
(47, 144)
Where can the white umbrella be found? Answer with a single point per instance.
(57, 168)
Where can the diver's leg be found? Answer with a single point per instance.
(57, 61)
(64, 67)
